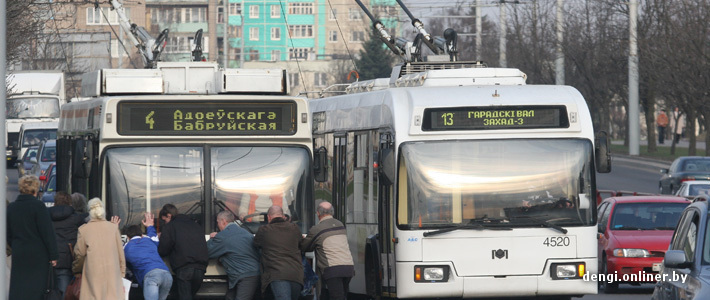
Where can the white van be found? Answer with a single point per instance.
(33, 133)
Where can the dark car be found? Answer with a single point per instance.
(634, 233)
(683, 169)
(25, 164)
(48, 190)
(686, 266)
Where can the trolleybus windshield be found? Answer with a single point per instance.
(512, 183)
(245, 180)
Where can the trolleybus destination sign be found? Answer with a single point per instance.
(206, 118)
(495, 117)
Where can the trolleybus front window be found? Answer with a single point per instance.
(249, 180)
(22, 108)
(146, 178)
(510, 183)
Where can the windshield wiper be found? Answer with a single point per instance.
(545, 223)
(469, 225)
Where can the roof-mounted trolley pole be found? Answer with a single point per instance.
(149, 47)
(423, 34)
(398, 46)
(448, 43)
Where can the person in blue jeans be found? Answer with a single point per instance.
(143, 259)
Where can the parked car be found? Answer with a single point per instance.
(25, 164)
(46, 155)
(634, 233)
(686, 270)
(684, 168)
(694, 188)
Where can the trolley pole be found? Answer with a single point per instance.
(560, 61)
(503, 60)
(633, 81)
(479, 28)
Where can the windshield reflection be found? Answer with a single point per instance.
(505, 182)
(23, 108)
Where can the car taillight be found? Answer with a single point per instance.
(684, 179)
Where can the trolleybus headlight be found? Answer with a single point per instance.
(567, 270)
(431, 273)
(631, 252)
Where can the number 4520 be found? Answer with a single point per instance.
(556, 241)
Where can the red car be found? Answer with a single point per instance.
(634, 234)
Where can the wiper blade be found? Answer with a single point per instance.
(465, 226)
(545, 223)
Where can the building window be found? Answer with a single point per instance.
(293, 79)
(275, 34)
(354, 14)
(275, 11)
(154, 15)
(300, 8)
(275, 55)
(333, 14)
(253, 55)
(235, 31)
(333, 36)
(357, 36)
(299, 53)
(254, 33)
(177, 44)
(117, 49)
(235, 53)
(98, 16)
(236, 9)
(254, 11)
(220, 14)
(319, 79)
(301, 31)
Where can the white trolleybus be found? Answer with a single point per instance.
(462, 183)
(202, 138)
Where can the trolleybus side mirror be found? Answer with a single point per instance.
(602, 152)
(320, 164)
(387, 166)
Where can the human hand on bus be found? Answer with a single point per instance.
(116, 220)
(213, 234)
(53, 262)
(148, 220)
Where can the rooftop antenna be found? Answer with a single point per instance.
(400, 46)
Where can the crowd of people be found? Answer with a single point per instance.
(75, 241)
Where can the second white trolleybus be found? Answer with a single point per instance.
(202, 138)
(462, 183)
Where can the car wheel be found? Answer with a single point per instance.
(608, 287)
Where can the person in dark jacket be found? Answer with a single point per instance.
(66, 226)
(234, 246)
(183, 241)
(31, 236)
(143, 259)
(282, 268)
(329, 240)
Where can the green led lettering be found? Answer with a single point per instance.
(220, 114)
(199, 125)
(188, 116)
(240, 116)
(209, 116)
(241, 126)
(149, 119)
(220, 126)
(189, 126)
(272, 115)
(262, 126)
(261, 114)
(272, 126)
(230, 115)
(250, 126)
(232, 126)
(448, 119)
(177, 115)
(251, 116)
(177, 125)
(199, 116)
(209, 126)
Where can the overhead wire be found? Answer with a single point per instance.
(343, 36)
(64, 52)
(290, 38)
(117, 37)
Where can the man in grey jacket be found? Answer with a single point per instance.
(330, 242)
(234, 246)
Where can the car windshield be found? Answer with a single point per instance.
(34, 137)
(696, 165)
(517, 183)
(244, 180)
(25, 108)
(31, 152)
(49, 153)
(646, 215)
